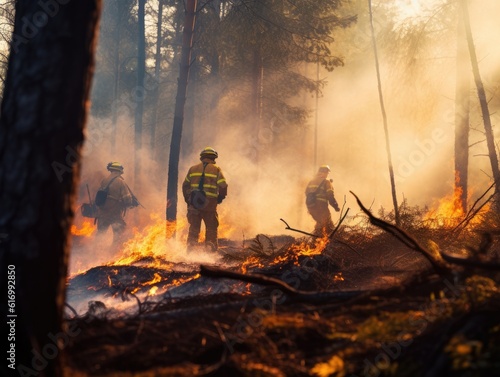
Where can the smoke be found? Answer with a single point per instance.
(267, 167)
(418, 81)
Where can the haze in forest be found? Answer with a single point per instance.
(418, 79)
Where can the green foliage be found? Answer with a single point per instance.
(254, 52)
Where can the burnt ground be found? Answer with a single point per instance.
(377, 308)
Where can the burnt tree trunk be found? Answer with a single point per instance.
(490, 140)
(180, 101)
(462, 104)
(44, 110)
(189, 121)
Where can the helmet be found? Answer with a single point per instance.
(209, 152)
(324, 169)
(115, 166)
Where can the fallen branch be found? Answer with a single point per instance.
(471, 262)
(438, 263)
(260, 279)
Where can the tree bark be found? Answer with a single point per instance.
(462, 101)
(384, 117)
(44, 110)
(157, 78)
(180, 101)
(187, 142)
(490, 140)
(117, 68)
(140, 90)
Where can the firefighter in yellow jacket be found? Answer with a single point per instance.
(118, 199)
(319, 193)
(204, 188)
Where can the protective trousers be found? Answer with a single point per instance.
(323, 218)
(211, 220)
(117, 224)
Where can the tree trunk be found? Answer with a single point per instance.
(257, 82)
(187, 142)
(490, 140)
(157, 77)
(180, 101)
(140, 91)
(462, 100)
(384, 117)
(117, 68)
(44, 110)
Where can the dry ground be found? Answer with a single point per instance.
(402, 318)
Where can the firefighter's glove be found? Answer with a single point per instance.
(336, 207)
(220, 198)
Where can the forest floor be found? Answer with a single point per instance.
(363, 304)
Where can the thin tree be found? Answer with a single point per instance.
(462, 102)
(141, 72)
(490, 140)
(157, 76)
(44, 110)
(384, 117)
(116, 68)
(180, 101)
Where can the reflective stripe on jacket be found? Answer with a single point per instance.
(214, 183)
(324, 194)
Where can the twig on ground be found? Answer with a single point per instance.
(298, 230)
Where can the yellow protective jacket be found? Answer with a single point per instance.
(324, 194)
(214, 183)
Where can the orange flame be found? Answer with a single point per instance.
(149, 243)
(86, 230)
(251, 262)
(450, 211)
(156, 279)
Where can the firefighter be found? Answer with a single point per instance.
(204, 188)
(119, 198)
(319, 193)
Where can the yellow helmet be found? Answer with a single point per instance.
(115, 166)
(324, 169)
(209, 152)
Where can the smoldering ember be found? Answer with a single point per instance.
(250, 188)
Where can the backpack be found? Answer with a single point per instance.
(198, 197)
(102, 194)
(312, 196)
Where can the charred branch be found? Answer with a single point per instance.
(260, 279)
(299, 231)
(439, 265)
